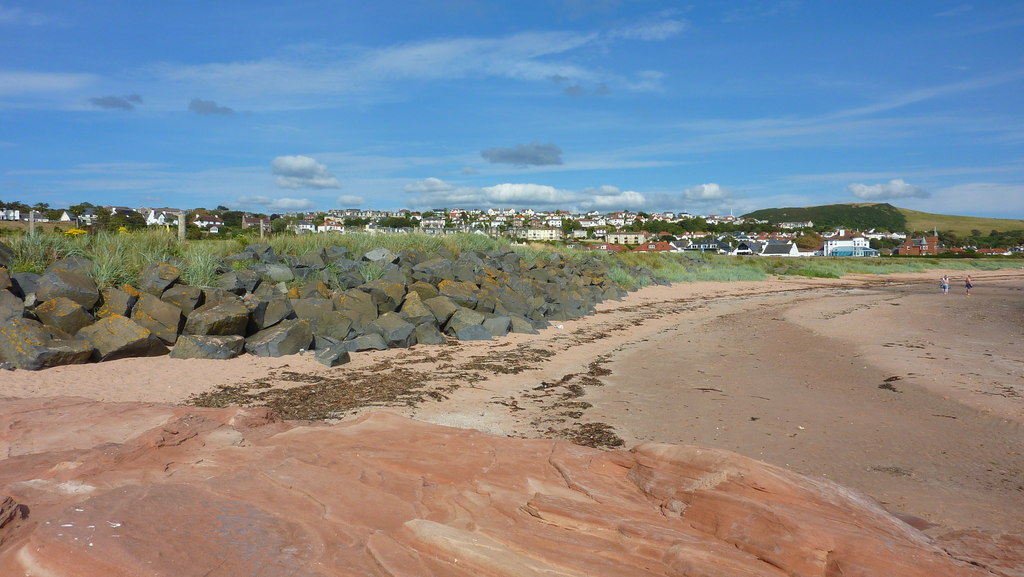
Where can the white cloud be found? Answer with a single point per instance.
(706, 192)
(428, 185)
(895, 188)
(525, 195)
(272, 204)
(349, 200)
(302, 172)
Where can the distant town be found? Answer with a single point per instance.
(610, 232)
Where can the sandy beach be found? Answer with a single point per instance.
(881, 383)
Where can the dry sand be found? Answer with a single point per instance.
(879, 382)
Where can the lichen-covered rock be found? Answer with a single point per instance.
(27, 344)
(498, 326)
(285, 338)
(117, 337)
(312, 307)
(386, 295)
(117, 301)
(357, 306)
(186, 298)
(76, 264)
(64, 314)
(157, 277)
(208, 347)
(220, 318)
(162, 318)
(63, 283)
(414, 311)
(463, 293)
(397, 332)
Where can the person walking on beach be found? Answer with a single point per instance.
(944, 283)
(968, 285)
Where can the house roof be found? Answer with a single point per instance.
(778, 248)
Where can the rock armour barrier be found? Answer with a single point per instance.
(62, 317)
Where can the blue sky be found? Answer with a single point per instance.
(707, 107)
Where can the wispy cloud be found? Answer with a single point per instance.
(961, 9)
(272, 204)
(18, 82)
(20, 16)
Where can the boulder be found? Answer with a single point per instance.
(370, 342)
(414, 311)
(220, 318)
(442, 307)
(157, 277)
(64, 314)
(522, 325)
(24, 283)
(185, 297)
(357, 306)
(386, 295)
(397, 332)
(315, 259)
(5, 280)
(262, 252)
(117, 301)
(75, 263)
(429, 334)
(10, 306)
(332, 354)
(163, 319)
(312, 308)
(117, 337)
(381, 255)
(467, 325)
(239, 282)
(424, 289)
(285, 338)
(498, 326)
(265, 312)
(27, 344)
(273, 273)
(208, 347)
(62, 283)
(334, 325)
(463, 293)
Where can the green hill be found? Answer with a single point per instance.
(884, 216)
(855, 216)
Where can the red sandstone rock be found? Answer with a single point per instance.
(94, 489)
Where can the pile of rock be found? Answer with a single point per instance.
(271, 305)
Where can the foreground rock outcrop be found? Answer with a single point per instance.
(94, 489)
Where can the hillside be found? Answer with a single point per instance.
(857, 216)
(884, 216)
(959, 225)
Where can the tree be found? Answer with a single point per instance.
(80, 209)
